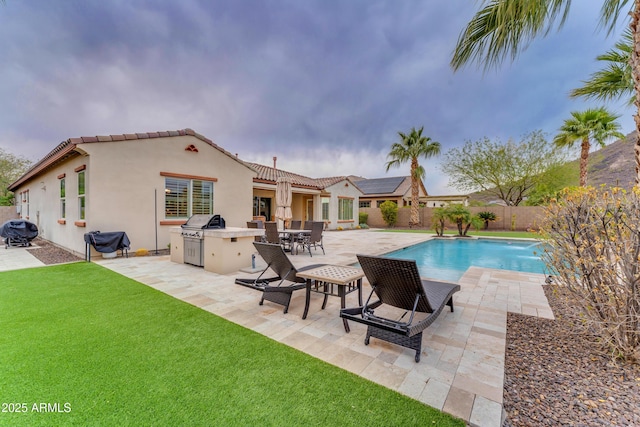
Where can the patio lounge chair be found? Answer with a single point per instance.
(397, 285)
(277, 289)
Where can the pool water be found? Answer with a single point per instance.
(448, 259)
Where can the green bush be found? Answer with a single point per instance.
(362, 217)
(487, 217)
(389, 211)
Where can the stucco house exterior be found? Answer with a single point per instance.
(334, 200)
(142, 184)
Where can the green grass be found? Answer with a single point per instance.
(507, 234)
(120, 353)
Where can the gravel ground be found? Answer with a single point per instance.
(556, 374)
(49, 253)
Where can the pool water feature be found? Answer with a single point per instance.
(448, 259)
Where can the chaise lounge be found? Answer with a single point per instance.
(280, 288)
(400, 292)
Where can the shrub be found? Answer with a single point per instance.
(439, 217)
(593, 248)
(487, 217)
(363, 217)
(142, 252)
(389, 211)
(363, 226)
(462, 217)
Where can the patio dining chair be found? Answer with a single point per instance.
(280, 288)
(406, 304)
(257, 224)
(295, 225)
(312, 239)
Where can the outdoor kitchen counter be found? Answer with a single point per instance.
(225, 250)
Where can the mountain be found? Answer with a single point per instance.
(614, 164)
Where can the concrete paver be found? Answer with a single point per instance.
(462, 363)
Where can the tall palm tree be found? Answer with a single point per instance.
(615, 80)
(597, 124)
(501, 27)
(411, 147)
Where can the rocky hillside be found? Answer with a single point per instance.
(613, 164)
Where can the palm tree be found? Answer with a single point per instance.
(501, 27)
(615, 80)
(597, 124)
(410, 148)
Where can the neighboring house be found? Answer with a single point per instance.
(142, 184)
(441, 201)
(397, 189)
(333, 200)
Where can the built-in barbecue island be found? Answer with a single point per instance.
(204, 242)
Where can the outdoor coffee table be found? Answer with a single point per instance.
(334, 280)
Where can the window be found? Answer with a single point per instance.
(366, 204)
(24, 204)
(325, 209)
(262, 207)
(345, 209)
(186, 197)
(81, 194)
(63, 201)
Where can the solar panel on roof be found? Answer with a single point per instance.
(380, 185)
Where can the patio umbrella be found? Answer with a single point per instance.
(283, 198)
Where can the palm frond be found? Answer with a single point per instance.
(502, 27)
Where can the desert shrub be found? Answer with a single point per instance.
(593, 249)
(389, 211)
(142, 252)
(363, 217)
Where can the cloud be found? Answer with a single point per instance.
(324, 85)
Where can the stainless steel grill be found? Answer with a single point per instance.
(193, 236)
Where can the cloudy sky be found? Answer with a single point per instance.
(323, 85)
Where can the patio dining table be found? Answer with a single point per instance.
(284, 233)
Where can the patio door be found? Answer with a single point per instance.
(309, 210)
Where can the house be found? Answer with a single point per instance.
(334, 200)
(142, 184)
(378, 190)
(398, 190)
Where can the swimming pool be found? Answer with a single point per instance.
(448, 259)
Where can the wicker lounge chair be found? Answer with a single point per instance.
(277, 289)
(414, 303)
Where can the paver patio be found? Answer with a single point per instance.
(462, 367)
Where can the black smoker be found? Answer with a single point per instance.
(193, 236)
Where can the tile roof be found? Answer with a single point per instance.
(270, 175)
(67, 149)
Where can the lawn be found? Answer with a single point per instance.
(82, 345)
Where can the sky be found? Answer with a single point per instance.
(325, 86)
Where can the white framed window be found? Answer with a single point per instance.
(345, 209)
(81, 195)
(325, 209)
(24, 204)
(186, 197)
(63, 199)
